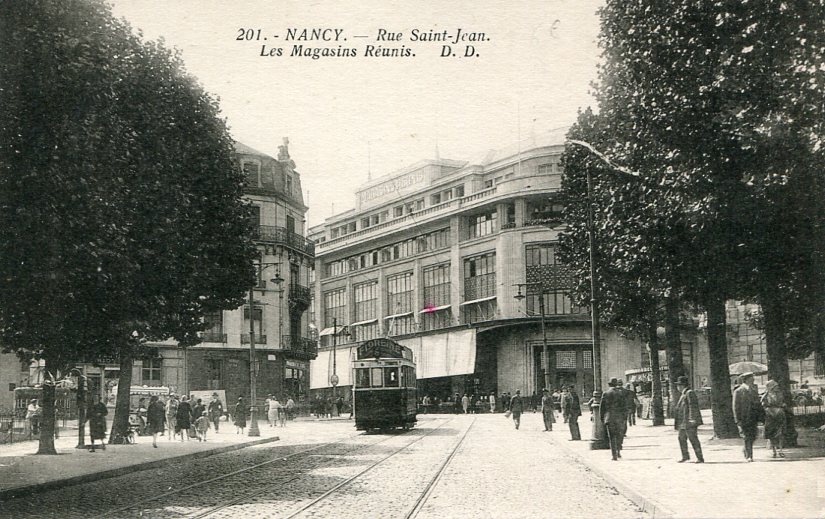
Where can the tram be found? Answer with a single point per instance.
(384, 394)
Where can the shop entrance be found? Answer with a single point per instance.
(569, 365)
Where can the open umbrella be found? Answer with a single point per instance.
(737, 368)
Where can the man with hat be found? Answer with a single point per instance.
(613, 411)
(571, 408)
(215, 411)
(746, 411)
(687, 419)
(516, 408)
(547, 410)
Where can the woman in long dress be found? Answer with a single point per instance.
(155, 417)
(97, 422)
(183, 418)
(774, 405)
(240, 416)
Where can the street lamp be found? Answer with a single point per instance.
(599, 440)
(81, 408)
(520, 297)
(253, 375)
(333, 380)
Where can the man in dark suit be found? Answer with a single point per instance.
(746, 409)
(613, 410)
(572, 410)
(687, 419)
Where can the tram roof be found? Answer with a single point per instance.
(383, 348)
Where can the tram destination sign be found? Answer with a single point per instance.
(383, 348)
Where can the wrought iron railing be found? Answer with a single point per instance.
(274, 233)
(480, 286)
(299, 294)
(300, 347)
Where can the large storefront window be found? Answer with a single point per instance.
(436, 312)
(399, 318)
(335, 312)
(479, 288)
(366, 311)
(545, 274)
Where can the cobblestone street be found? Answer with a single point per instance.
(448, 466)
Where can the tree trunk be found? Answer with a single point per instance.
(657, 409)
(724, 425)
(673, 345)
(120, 421)
(772, 312)
(47, 424)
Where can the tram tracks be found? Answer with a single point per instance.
(137, 507)
(422, 498)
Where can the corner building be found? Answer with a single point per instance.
(432, 256)
(221, 362)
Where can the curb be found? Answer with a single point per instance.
(12, 493)
(649, 506)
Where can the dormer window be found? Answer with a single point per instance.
(252, 174)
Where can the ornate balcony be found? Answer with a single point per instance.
(299, 347)
(299, 297)
(259, 339)
(280, 235)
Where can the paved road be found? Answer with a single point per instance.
(448, 466)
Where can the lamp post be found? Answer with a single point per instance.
(520, 297)
(599, 439)
(81, 409)
(333, 380)
(253, 375)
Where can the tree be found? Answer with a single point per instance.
(628, 298)
(123, 210)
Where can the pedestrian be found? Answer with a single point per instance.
(198, 409)
(339, 405)
(775, 422)
(516, 408)
(572, 410)
(613, 414)
(272, 406)
(492, 401)
(33, 414)
(155, 417)
(283, 413)
(171, 416)
(465, 403)
(97, 422)
(556, 394)
(290, 408)
(202, 425)
(183, 418)
(240, 416)
(746, 410)
(687, 419)
(215, 410)
(632, 400)
(547, 410)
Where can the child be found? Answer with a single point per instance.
(201, 426)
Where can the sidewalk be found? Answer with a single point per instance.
(724, 486)
(22, 472)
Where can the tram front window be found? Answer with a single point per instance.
(390, 377)
(377, 377)
(362, 377)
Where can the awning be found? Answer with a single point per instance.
(320, 369)
(368, 321)
(434, 309)
(331, 330)
(443, 354)
(481, 300)
(404, 314)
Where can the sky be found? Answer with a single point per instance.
(353, 118)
